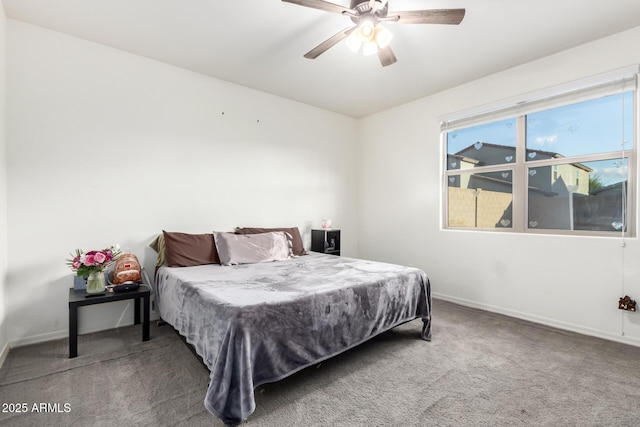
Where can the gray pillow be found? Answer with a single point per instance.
(252, 248)
(298, 247)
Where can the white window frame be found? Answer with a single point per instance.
(613, 82)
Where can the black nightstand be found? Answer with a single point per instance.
(326, 241)
(79, 298)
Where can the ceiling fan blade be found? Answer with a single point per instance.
(329, 43)
(320, 4)
(386, 56)
(431, 16)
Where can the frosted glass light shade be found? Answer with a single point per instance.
(370, 48)
(354, 41)
(369, 37)
(367, 30)
(383, 36)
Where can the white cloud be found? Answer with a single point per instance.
(611, 174)
(620, 171)
(547, 140)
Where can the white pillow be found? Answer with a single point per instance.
(252, 248)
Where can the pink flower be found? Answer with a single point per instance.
(99, 257)
(85, 263)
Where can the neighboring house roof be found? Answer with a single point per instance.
(508, 147)
(464, 159)
(506, 182)
(461, 154)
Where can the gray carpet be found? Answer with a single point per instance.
(481, 369)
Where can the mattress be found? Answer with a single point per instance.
(258, 323)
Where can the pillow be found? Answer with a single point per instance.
(186, 250)
(158, 246)
(298, 248)
(252, 248)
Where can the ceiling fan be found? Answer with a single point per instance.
(367, 33)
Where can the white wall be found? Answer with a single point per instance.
(106, 147)
(3, 184)
(569, 282)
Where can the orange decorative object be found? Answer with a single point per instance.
(127, 269)
(627, 303)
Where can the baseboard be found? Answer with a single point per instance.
(64, 333)
(34, 339)
(541, 320)
(4, 353)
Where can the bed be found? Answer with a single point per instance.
(257, 323)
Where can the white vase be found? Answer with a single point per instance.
(95, 283)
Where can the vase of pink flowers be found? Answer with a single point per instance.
(95, 283)
(91, 265)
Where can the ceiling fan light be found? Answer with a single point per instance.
(383, 36)
(354, 41)
(367, 31)
(370, 48)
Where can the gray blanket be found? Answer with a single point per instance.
(259, 323)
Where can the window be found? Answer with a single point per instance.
(562, 164)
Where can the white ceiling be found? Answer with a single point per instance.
(260, 43)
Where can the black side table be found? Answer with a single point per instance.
(326, 241)
(79, 298)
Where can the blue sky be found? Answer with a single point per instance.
(590, 127)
